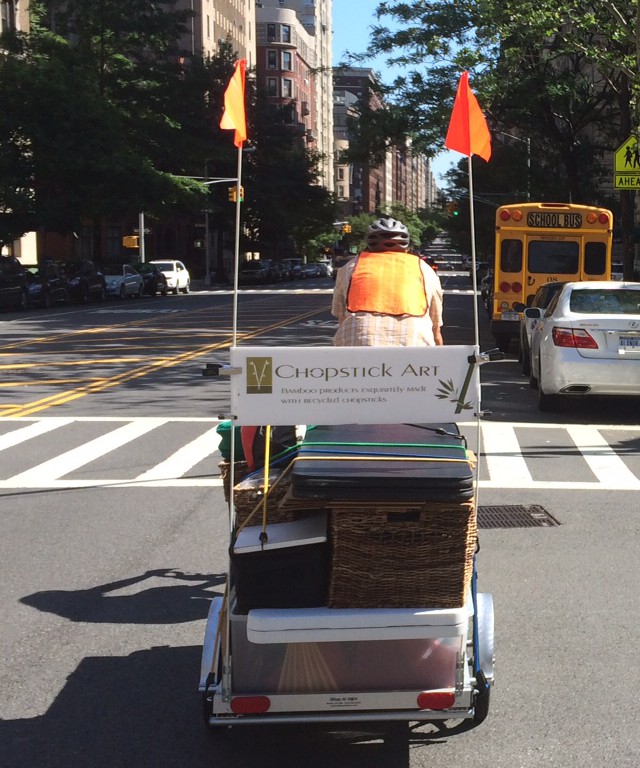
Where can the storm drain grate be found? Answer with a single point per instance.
(515, 516)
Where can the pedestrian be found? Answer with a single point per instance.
(386, 296)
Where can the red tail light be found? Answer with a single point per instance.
(578, 339)
(436, 699)
(603, 218)
(505, 215)
(250, 705)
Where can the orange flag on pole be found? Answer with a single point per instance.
(468, 132)
(233, 117)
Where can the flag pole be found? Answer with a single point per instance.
(236, 247)
(474, 274)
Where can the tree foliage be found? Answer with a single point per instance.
(553, 72)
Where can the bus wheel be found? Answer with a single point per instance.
(503, 343)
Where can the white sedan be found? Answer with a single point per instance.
(123, 280)
(178, 278)
(587, 342)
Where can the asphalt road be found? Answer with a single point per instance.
(106, 577)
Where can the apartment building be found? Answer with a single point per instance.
(286, 60)
(14, 15)
(314, 17)
(403, 176)
(217, 20)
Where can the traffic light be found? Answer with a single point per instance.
(233, 194)
(452, 208)
(346, 229)
(131, 241)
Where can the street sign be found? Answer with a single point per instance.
(146, 231)
(627, 165)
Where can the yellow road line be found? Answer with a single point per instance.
(98, 386)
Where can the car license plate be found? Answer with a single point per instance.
(510, 316)
(632, 342)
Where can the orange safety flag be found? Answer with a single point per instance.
(468, 132)
(233, 117)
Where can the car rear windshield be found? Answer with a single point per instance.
(165, 266)
(599, 301)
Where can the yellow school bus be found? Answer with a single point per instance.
(538, 243)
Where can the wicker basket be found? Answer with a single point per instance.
(401, 556)
(241, 471)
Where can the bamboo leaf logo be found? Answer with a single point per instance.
(447, 390)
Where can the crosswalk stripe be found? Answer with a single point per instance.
(48, 471)
(182, 460)
(23, 434)
(502, 463)
(503, 456)
(603, 461)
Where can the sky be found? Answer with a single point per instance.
(352, 21)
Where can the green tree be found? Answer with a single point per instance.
(286, 206)
(91, 125)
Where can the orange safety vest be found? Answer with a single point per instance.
(389, 283)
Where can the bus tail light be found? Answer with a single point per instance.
(515, 214)
(568, 337)
(505, 287)
(592, 217)
(603, 218)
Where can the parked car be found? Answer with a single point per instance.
(587, 342)
(295, 267)
(123, 280)
(178, 278)
(154, 280)
(84, 281)
(617, 271)
(13, 283)
(542, 299)
(311, 269)
(326, 268)
(280, 271)
(256, 272)
(46, 286)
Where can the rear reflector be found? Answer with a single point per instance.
(567, 337)
(250, 705)
(436, 699)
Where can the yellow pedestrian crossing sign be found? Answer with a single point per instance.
(627, 165)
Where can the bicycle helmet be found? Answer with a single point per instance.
(387, 235)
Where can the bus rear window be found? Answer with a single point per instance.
(554, 258)
(595, 258)
(511, 256)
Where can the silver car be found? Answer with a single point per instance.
(587, 342)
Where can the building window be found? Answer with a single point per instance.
(304, 108)
(340, 174)
(340, 190)
(286, 33)
(8, 16)
(271, 32)
(286, 61)
(208, 26)
(272, 86)
(272, 60)
(287, 88)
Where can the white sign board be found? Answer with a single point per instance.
(354, 385)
